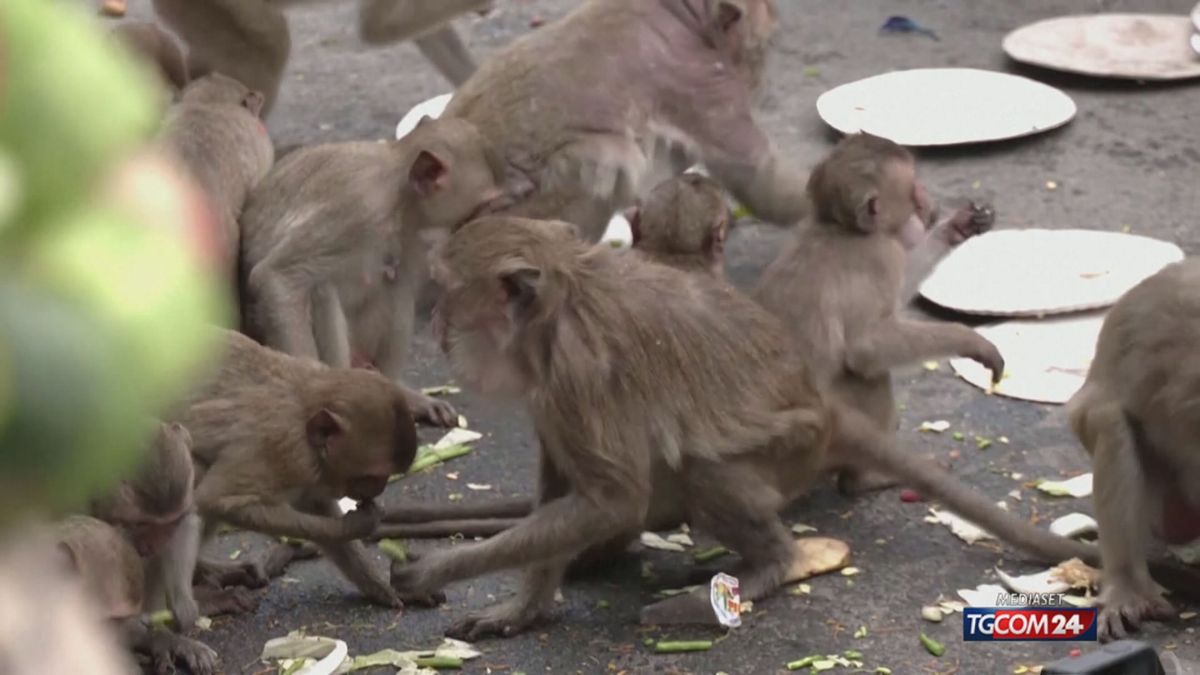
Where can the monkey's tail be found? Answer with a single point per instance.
(856, 434)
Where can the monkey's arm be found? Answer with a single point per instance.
(178, 567)
(282, 308)
(894, 342)
(330, 331)
(740, 156)
(385, 21)
(921, 261)
(446, 51)
(276, 518)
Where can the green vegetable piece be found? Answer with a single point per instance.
(683, 646)
(932, 646)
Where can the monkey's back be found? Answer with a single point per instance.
(223, 147)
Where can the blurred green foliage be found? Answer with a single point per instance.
(102, 315)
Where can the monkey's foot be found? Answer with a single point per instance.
(430, 410)
(219, 574)
(409, 585)
(503, 620)
(1123, 611)
(233, 600)
(168, 649)
(688, 608)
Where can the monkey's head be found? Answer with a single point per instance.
(683, 217)
(504, 283)
(869, 185)
(742, 31)
(105, 562)
(454, 176)
(217, 89)
(149, 505)
(361, 431)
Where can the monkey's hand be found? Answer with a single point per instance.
(167, 649)
(361, 522)
(966, 223)
(430, 410)
(414, 587)
(1124, 607)
(986, 354)
(502, 620)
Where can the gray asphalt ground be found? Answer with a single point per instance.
(1131, 158)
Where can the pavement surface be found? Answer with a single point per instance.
(1131, 159)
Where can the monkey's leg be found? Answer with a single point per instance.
(895, 342)
(502, 507)
(176, 568)
(247, 40)
(483, 527)
(1128, 595)
(281, 555)
(283, 311)
(731, 503)
(387, 21)
(221, 573)
(447, 52)
(533, 601)
(330, 330)
(227, 601)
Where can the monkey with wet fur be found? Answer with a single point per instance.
(1138, 417)
(250, 40)
(216, 134)
(527, 312)
(685, 86)
(333, 251)
(684, 222)
(840, 283)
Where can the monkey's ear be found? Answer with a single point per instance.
(867, 212)
(427, 174)
(521, 286)
(254, 102)
(322, 426)
(727, 14)
(421, 122)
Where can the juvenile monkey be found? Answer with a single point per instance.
(216, 134)
(332, 244)
(527, 313)
(156, 47)
(250, 41)
(277, 440)
(839, 284)
(683, 83)
(1138, 416)
(683, 223)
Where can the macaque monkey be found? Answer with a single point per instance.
(278, 440)
(683, 223)
(157, 48)
(249, 39)
(594, 133)
(333, 250)
(839, 285)
(215, 132)
(589, 339)
(1138, 416)
(112, 572)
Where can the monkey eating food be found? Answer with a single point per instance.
(1138, 417)
(840, 283)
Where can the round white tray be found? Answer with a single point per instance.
(1131, 46)
(945, 106)
(1036, 272)
(1044, 360)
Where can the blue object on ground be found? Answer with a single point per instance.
(903, 24)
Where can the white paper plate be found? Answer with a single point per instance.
(1044, 361)
(1037, 272)
(945, 106)
(1137, 46)
(618, 227)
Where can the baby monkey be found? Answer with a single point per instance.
(840, 284)
(683, 223)
(1138, 416)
